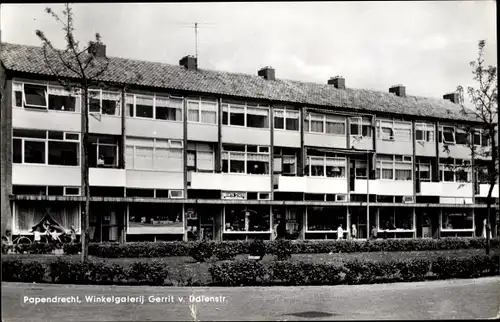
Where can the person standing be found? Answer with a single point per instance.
(340, 233)
(354, 232)
(373, 234)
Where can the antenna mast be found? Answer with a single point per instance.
(196, 39)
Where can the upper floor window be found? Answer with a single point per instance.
(323, 166)
(321, 123)
(154, 107)
(424, 171)
(200, 157)
(452, 135)
(360, 126)
(455, 170)
(424, 132)
(103, 151)
(104, 102)
(480, 138)
(394, 167)
(44, 97)
(250, 159)
(245, 114)
(202, 110)
(394, 130)
(286, 119)
(285, 161)
(154, 154)
(45, 147)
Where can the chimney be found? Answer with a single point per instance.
(267, 72)
(399, 90)
(337, 81)
(189, 62)
(98, 49)
(452, 97)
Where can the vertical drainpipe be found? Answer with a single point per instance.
(435, 174)
(271, 161)
(184, 161)
(473, 177)
(368, 177)
(122, 162)
(348, 171)
(413, 174)
(218, 222)
(300, 169)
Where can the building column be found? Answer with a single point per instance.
(218, 224)
(6, 153)
(218, 150)
(302, 152)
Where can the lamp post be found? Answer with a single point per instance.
(368, 194)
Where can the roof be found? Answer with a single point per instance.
(30, 59)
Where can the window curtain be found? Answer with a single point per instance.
(209, 117)
(27, 217)
(335, 127)
(193, 111)
(258, 157)
(66, 216)
(317, 126)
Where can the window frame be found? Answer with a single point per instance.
(153, 96)
(404, 159)
(324, 158)
(245, 105)
(394, 214)
(453, 168)
(443, 136)
(19, 86)
(101, 91)
(153, 146)
(46, 141)
(318, 117)
(285, 110)
(117, 146)
(245, 159)
(441, 217)
(199, 101)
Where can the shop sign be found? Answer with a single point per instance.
(234, 195)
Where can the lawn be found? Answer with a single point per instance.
(184, 268)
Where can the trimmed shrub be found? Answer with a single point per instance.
(475, 266)
(148, 273)
(72, 249)
(68, 272)
(202, 251)
(35, 248)
(225, 251)
(257, 248)
(239, 272)
(18, 271)
(283, 249)
(413, 270)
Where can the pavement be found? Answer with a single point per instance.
(451, 299)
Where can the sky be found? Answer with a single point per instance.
(426, 46)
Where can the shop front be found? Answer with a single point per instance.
(106, 222)
(396, 222)
(324, 222)
(203, 222)
(155, 222)
(457, 223)
(243, 222)
(287, 222)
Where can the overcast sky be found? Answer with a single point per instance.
(426, 46)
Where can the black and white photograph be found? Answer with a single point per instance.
(246, 161)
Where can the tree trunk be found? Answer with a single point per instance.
(85, 165)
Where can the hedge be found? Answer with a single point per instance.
(228, 249)
(251, 272)
(247, 272)
(69, 272)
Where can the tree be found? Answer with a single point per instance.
(484, 99)
(79, 70)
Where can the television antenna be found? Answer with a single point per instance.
(196, 26)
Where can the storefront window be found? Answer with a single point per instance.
(457, 220)
(286, 222)
(28, 215)
(394, 219)
(155, 219)
(247, 218)
(326, 218)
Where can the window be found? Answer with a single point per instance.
(201, 157)
(292, 120)
(28, 214)
(477, 137)
(202, 110)
(169, 109)
(154, 154)
(104, 102)
(424, 132)
(155, 219)
(386, 131)
(44, 97)
(360, 126)
(326, 218)
(334, 125)
(461, 137)
(144, 107)
(456, 220)
(392, 219)
(448, 134)
(289, 165)
(103, 151)
(396, 167)
(402, 131)
(330, 124)
(257, 117)
(424, 171)
(317, 123)
(245, 161)
(361, 169)
(71, 191)
(32, 146)
(323, 166)
(247, 218)
(455, 170)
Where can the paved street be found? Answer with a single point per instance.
(461, 299)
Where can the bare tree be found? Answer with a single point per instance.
(77, 70)
(482, 139)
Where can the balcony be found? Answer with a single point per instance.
(229, 181)
(150, 128)
(384, 187)
(484, 188)
(325, 140)
(148, 179)
(105, 124)
(446, 189)
(25, 118)
(312, 184)
(46, 175)
(246, 135)
(287, 138)
(107, 177)
(203, 132)
(456, 151)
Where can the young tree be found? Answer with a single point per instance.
(482, 139)
(77, 70)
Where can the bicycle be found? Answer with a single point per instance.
(7, 245)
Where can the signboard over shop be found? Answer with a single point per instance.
(234, 195)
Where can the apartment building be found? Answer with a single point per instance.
(185, 153)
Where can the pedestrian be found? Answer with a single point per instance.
(38, 235)
(373, 234)
(73, 234)
(340, 233)
(354, 232)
